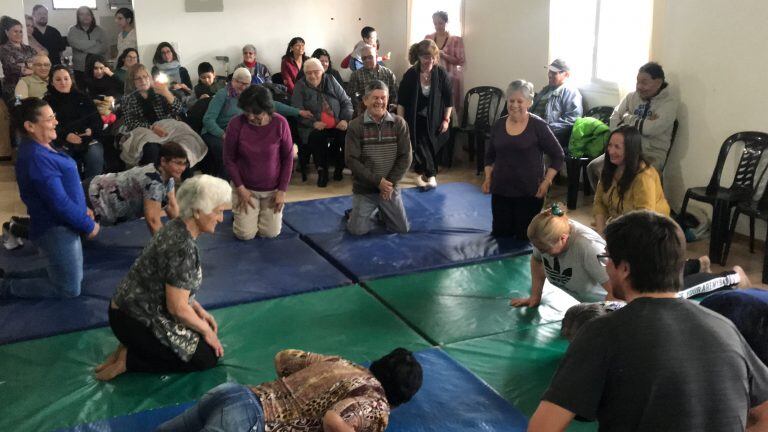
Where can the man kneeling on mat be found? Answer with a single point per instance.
(313, 392)
(378, 151)
(660, 362)
(140, 191)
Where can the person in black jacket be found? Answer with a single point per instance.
(79, 124)
(424, 101)
(100, 80)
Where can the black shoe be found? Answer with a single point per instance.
(21, 220)
(19, 230)
(322, 178)
(338, 174)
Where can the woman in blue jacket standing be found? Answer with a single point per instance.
(49, 184)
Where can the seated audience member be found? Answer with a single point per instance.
(128, 59)
(565, 253)
(100, 81)
(331, 109)
(313, 392)
(150, 113)
(223, 108)
(14, 58)
(208, 84)
(659, 363)
(652, 110)
(259, 71)
(33, 42)
(328, 69)
(369, 39)
(36, 84)
(126, 37)
(48, 36)
(258, 155)
(515, 175)
(378, 151)
(50, 187)
(558, 103)
(85, 37)
(628, 181)
(153, 313)
(140, 191)
(166, 61)
(371, 71)
(79, 123)
(292, 63)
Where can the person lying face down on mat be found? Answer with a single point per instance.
(140, 191)
(313, 393)
(154, 314)
(660, 363)
(565, 253)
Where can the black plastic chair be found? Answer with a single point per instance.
(754, 210)
(486, 114)
(723, 199)
(577, 166)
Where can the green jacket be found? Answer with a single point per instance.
(588, 137)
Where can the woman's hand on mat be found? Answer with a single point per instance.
(74, 139)
(342, 125)
(94, 232)
(244, 199)
(279, 201)
(525, 302)
(210, 320)
(486, 187)
(307, 114)
(318, 125)
(213, 341)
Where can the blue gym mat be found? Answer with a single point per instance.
(451, 399)
(233, 272)
(449, 226)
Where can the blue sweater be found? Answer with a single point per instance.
(49, 185)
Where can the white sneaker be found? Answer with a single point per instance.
(432, 181)
(420, 182)
(10, 241)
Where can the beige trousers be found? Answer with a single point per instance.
(261, 220)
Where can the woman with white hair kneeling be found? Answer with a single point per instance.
(154, 314)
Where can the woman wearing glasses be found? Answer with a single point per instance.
(565, 253)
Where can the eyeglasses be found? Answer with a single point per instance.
(368, 57)
(41, 64)
(603, 259)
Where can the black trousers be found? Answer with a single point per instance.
(424, 155)
(511, 216)
(147, 354)
(328, 145)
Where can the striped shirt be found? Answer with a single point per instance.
(377, 150)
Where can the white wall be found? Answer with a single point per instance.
(714, 55)
(63, 19)
(331, 24)
(506, 40)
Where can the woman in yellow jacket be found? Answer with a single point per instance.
(628, 181)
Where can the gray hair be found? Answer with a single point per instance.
(526, 87)
(375, 85)
(202, 193)
(250, 47)
(312, 62)
(241, 74)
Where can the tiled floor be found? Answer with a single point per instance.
(462, 171)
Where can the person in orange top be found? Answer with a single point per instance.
(628, 181)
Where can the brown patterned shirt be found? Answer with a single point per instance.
(309, 385)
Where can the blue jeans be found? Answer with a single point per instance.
(62, 277)
(226, 407)
(91, 158)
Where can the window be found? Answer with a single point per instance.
(604, 41)
(73, 4)
(420, 19)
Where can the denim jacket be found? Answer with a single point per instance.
(563, 108)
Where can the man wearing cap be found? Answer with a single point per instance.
(557, 103)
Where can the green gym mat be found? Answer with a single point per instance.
(468, 302)
(518, 364)
(48, 383)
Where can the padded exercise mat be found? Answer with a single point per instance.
(471, 301)
(518, 363)
(434, 408)
(449, 225)
(47, 384)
